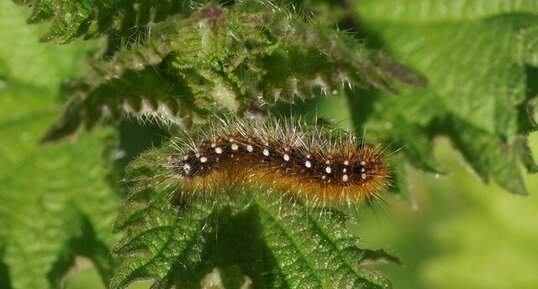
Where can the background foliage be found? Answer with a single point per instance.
(59, 200)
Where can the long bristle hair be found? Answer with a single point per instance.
(288, 158)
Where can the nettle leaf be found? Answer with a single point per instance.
(57, 204)
(243, 58)
(274, 243)
(481, 64)
(93, 18)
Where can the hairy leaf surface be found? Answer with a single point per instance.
(92, 18)
(244, 58)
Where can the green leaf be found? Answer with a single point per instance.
(480, 59)
(57, 202)
(93, 18)
(247, 56)
(273, 242)
(321, 254)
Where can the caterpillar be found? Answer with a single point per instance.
(312, 162)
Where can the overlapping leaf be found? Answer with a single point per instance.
(480, 58)
(93, 18)
(243, 57)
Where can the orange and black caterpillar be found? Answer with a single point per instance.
(320, 164)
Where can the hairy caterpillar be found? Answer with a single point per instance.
(320, 164)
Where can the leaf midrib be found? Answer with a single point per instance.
(294, 243)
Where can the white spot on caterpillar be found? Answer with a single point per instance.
(363, 170)
(323, 177)
(218, 150)
(213, 145)
(344, 170)
(308, 156)
(328, 170)
(327, 162)
(363, 163)
(363, 176)
(346, 162)
(345, 178)
(235, 147)
(308, 164)
(266, 152)
(250, 148)
(203, 159)
(186, 168)
(286, 157)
